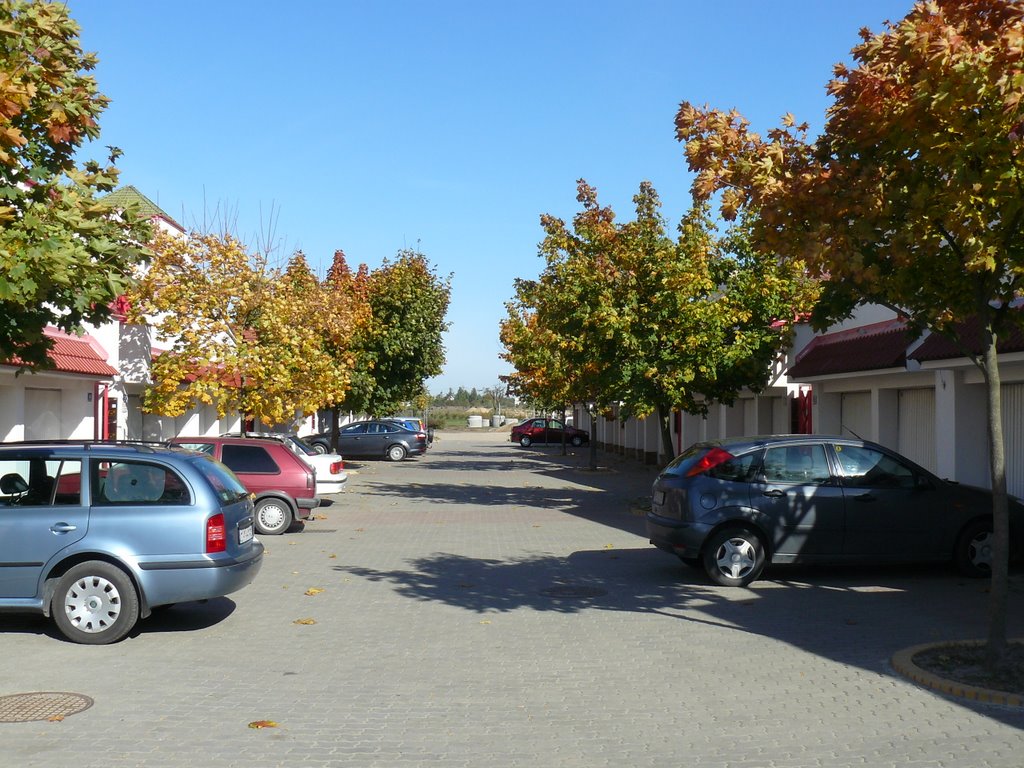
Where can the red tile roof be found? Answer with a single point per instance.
(938, 347)
(868, 348)
(79, 354)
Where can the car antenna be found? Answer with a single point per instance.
(843, 426)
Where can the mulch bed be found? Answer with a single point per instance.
(966, 664)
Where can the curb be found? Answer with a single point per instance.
(903, 662)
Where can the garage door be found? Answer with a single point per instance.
(855, 415)
(42, 414)
(916, 426)
(1013, 437)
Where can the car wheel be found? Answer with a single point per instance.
(525, 441)
(577, 440)
(973, 554)
(321, 448)
(396, 453)
(95, 603)
(734, 557)
(272, 517)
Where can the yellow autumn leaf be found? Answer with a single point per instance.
(312, 591)
(257, 724)
(304, 621)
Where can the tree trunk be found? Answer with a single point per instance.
(565, 451)
(335, 428)
(593, 439)
(664, 414)
(995, 651)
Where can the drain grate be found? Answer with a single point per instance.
(573, 590)
(29, 707)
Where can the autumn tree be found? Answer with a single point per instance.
(65, 253)
(623, 315)
(912, 197)
(403, 345)
(697, 320)
(241, 336)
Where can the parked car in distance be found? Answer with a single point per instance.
(96, 535)
(732, 506)
(541, 430)
(330, 467)
(415, 424)
(375, 438)
(282, 484)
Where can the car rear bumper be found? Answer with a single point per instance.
(167, 581)
(324, 487)
(676, 536)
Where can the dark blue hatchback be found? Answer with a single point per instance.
(732, 506)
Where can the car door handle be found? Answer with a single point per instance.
(775, 493)
(63, 527)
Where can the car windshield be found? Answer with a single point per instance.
(298, 446)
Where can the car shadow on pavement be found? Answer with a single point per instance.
(186, 617)
(853, 616)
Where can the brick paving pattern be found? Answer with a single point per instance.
(488, 605)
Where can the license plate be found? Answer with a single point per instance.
(659, 498)
(245, 534)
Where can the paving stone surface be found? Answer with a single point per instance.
(489, 605)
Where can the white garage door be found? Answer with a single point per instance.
(1013, 437)
(855, 415)
(916, 426)
(42, 414)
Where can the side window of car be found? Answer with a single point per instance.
(538, 424)
(249, 459)
(865, 467)
(739, 469)
(128, 482)
(390, 428)
(354, 429)
(802, 464)
(554, 424)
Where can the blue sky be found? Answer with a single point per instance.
(447, 126)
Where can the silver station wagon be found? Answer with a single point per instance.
(98, 534)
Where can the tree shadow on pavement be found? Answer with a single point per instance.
(853, 616)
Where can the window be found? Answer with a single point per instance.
(803, 464)
(354, 429)
(740, 469)
(137, 483)
(554, 424)
(539, 424)
(249, 459)
(206, 448)
(870, 468)
(36, 481)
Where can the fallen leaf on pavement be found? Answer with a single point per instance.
(313, 591)
(304, 621)
(263, 724)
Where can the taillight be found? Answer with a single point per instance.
(711, 459)
(216, 538)
(337, 466)
(421, 435)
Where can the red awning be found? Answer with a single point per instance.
(868, 348)
(968, 334)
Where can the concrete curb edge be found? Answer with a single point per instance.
(903, 662)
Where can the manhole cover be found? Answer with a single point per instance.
(29, 707)
(573, 590)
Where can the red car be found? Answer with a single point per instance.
(547, 431)
(283, 485)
